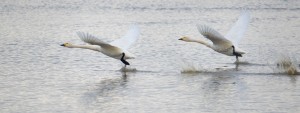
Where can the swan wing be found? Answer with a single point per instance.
(126, 41)
(90, 39)
(214, 36)
(237, 31)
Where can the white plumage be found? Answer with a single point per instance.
(228, 44)
(116, 49)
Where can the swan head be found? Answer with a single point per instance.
(185, 38)
(66, 45)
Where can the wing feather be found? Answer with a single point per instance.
(214, 36)
(126, 41)
(238, 30)
(90, 39)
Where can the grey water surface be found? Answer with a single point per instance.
(38, 75)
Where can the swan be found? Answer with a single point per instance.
(227, 44)
(116, 49)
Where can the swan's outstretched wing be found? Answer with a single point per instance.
(239, 28)
(88, 38)
(214, 36)
(127, 40)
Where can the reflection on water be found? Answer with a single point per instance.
(104, 90)
(128, 69)
(38, 75)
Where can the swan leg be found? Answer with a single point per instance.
(237, 59)
(236, 54)
(123, 60)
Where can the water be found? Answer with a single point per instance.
(38, 75)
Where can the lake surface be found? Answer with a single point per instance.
(38, 75)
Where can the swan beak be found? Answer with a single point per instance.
(62, 45)
(180, 39)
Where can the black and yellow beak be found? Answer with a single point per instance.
(62, 45)
(180, 39)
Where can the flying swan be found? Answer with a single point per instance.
(227, 45)
(116, 49)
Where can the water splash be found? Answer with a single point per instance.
(286, 65)
(188, 67)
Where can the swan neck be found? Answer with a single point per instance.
(201, 42)
(91, 47)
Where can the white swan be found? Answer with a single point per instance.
(227, 45)
(116, 49)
